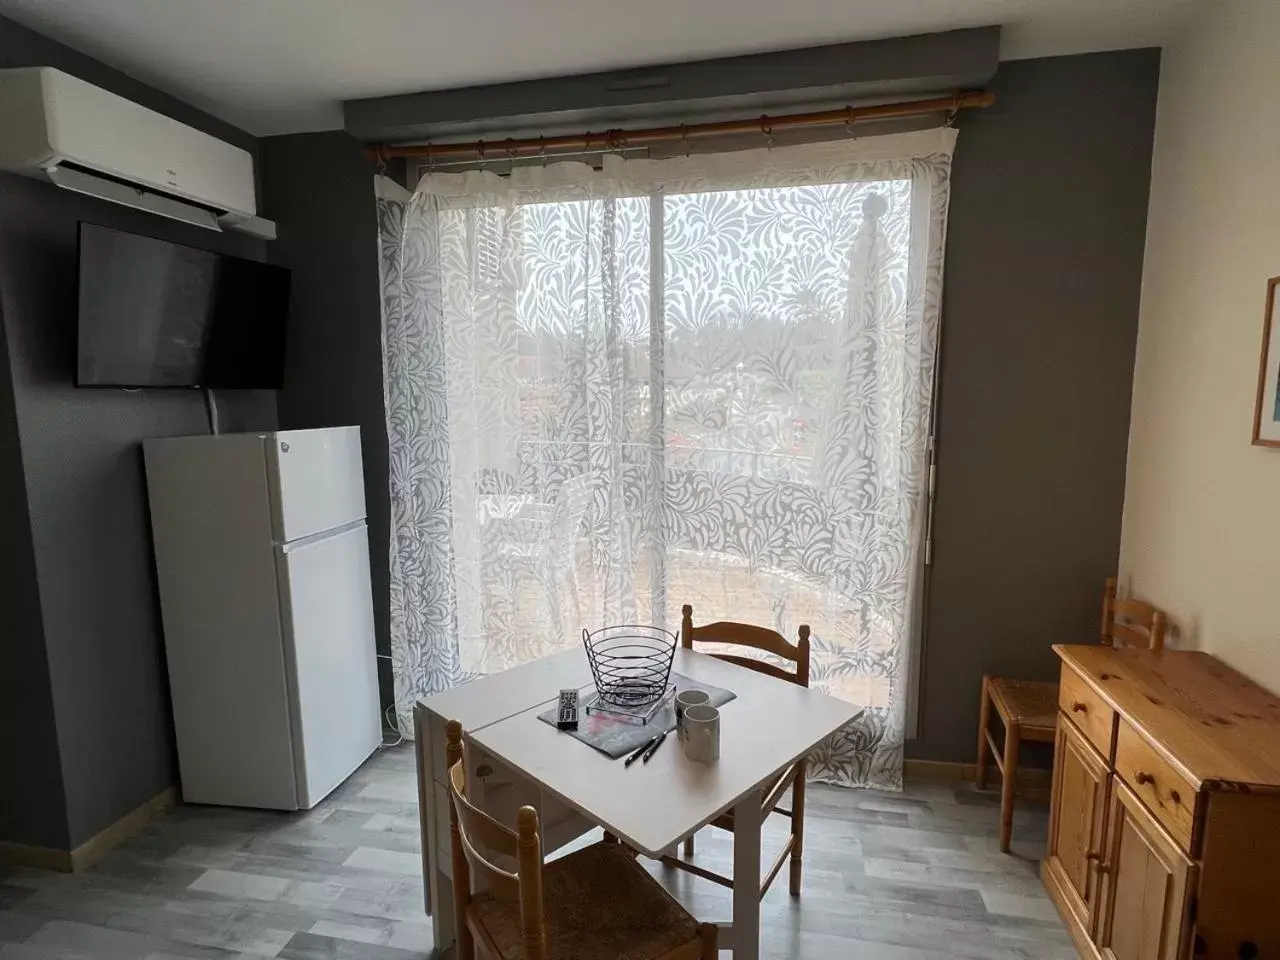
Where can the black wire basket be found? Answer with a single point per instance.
(631, 664)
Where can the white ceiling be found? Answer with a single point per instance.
(283, 66)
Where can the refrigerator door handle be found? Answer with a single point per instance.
(293, 545)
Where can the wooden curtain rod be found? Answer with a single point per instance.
(620, 139)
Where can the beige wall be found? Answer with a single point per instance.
(1201, 529)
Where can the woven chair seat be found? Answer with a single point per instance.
(1030, 704)
(600, 905)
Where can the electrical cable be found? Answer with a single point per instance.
(389, 721)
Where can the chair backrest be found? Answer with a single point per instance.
(473, 831)
(747, 635)
(1130, 622)
(570, 507)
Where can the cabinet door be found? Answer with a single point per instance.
(1077, 819)
(1146, 881)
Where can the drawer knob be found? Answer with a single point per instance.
(484, 770)
(1144, 778)
(1175, 796)
(1091, 855)
(1079, 707)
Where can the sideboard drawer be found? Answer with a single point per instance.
(1164, 791)
(1088, 711)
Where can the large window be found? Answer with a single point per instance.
(650, 390)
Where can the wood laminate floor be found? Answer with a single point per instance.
(912, 876)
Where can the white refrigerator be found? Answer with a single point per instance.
(262, 558)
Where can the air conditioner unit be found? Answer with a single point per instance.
(82, 138)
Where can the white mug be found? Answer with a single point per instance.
(702, 733)
(684, 700)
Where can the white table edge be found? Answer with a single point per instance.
(631, 841)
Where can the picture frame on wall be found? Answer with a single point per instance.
(1266, 415)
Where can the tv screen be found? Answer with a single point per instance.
(157, 314)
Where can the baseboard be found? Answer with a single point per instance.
(938, 770)
(1031, 780)
(42, 858)
(130, 825)
(96, 847)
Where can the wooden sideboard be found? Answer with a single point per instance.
(1164, 835)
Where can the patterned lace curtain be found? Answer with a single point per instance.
(701, 380)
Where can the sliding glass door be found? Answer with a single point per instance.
(652, 392)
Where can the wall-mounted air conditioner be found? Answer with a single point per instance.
(82, 138)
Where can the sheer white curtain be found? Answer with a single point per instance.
(702, 380)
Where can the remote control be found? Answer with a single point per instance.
(567, 715)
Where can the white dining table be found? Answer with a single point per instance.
(514, 758)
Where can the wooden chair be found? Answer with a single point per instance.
(593, 904)
(1029, 708)
(759, 638)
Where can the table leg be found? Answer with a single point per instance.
(437, 887)
(747, 821)
(442, 925)
(426, 798)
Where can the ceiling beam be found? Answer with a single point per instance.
(701, 90)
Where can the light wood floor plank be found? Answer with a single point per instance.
(911, 876)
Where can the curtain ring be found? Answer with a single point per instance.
(684, 135)
(766, 128)
(951, 117)
(850, 117)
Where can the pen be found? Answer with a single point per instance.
(639, 752)
(653, 748)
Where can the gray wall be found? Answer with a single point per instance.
(95, 607)
(1040, 311)
(319, 188)
(33, 807)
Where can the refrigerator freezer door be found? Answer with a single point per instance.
(317, 480)
(327, 611)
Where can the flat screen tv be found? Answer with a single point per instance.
(157, 314)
